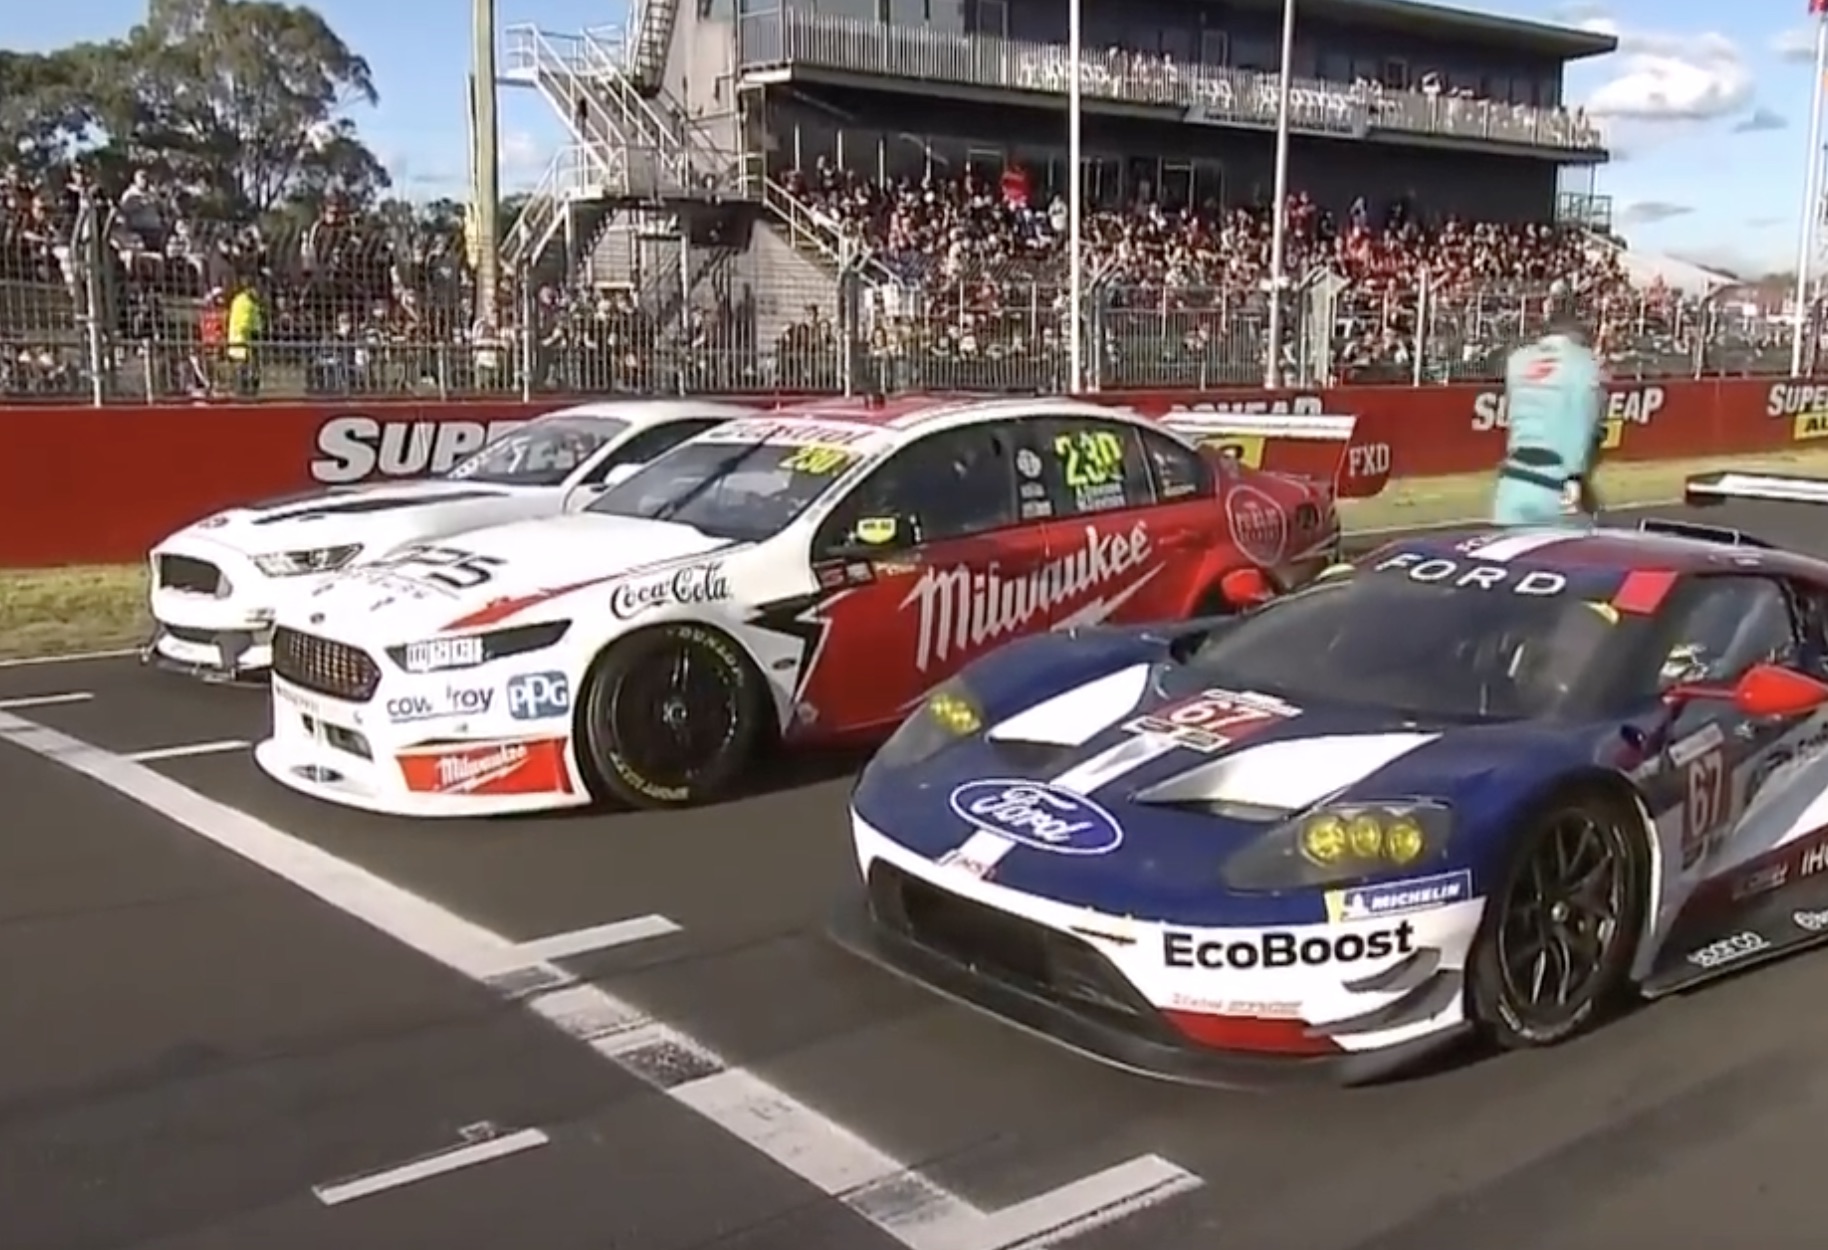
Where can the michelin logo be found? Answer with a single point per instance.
(1397, 898)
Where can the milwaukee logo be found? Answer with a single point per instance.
(961, 610)
(467, 772)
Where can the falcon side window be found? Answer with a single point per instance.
(950, 485)
(1085, 467)
(1179, 471)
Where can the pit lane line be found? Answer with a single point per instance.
(895, 1198)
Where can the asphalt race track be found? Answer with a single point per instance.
(237, 1018)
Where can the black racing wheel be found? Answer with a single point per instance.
(1554, 951)
(671, 716)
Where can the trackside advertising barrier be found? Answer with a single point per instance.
(84, 485)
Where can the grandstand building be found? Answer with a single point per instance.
(689, 129)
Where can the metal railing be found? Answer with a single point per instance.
(370, 309)
(1207, 94)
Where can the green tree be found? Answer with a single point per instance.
(242, 104)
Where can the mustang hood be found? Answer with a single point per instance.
(522, 572)
(367, 515)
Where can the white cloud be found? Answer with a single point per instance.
(1795, 44)
(1662, 77)
(1648, 212)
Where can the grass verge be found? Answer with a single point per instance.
(101, 607)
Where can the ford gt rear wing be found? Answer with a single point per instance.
(1335, 449)
(1706, 489)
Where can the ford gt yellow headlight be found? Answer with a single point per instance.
(949, 713)
(1343, 843)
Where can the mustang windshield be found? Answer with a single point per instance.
(1490, 647)
(543, 452)
(745, 490)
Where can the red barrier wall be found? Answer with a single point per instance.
(100, 485)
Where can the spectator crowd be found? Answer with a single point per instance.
(968, 289)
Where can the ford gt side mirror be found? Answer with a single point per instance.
(1773, 690)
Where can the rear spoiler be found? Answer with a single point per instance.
(1706, 489)
(1335, 449)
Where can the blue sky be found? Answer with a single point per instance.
(1708, 117)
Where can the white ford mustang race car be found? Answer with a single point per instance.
(216, 584)
(805, 575)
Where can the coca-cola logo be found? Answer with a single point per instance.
(693, 585)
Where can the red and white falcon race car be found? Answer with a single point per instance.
(217, 583)
(803, 576)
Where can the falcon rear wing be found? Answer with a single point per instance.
(1339, 450)
(1706, 489)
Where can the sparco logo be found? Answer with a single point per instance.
(696, 584)
(1280, 949)
(1634, 406)
(963, 610)
(354, 449)
(1789, 398)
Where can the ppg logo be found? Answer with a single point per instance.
(539, 696)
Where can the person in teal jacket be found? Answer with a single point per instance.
(1553, 398)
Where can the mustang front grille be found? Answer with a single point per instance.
(324, 667)
(187, 573)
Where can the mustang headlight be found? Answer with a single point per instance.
(440, 655)
(948, 713)
(1338, 844)
(313, 560)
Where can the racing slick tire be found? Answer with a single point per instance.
(671, 716)
(1554, 951)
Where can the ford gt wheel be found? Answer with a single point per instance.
(671, 716)
(1555, 949)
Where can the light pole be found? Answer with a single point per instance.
(1812, 190)
(1075, 216)
(1278, 238)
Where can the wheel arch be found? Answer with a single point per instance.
(1620, 788)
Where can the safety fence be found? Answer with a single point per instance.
(96, 313)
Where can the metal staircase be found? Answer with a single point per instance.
(577, 173)
(614, 102)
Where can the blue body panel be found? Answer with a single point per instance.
(1168, 864)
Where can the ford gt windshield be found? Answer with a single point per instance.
(543, 452)
(1504, 643)
(730, 489)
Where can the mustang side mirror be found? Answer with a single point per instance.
(1765, 690)
(1246, 587)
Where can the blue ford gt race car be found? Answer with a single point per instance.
(1493, 783)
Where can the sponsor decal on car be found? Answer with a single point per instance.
(1284, 948)
(1213, 719)
(1259, 526)
(1462, 576)
(1810, 921)
(691, 586)
(528, 767)
(443, 653)
(455, 701)
(1398, 898)
(1729, 950)
(539, 696)
(1038, 815)
(961, 610)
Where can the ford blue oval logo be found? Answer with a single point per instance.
(1036, 814)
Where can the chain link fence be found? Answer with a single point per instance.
(90, 313)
